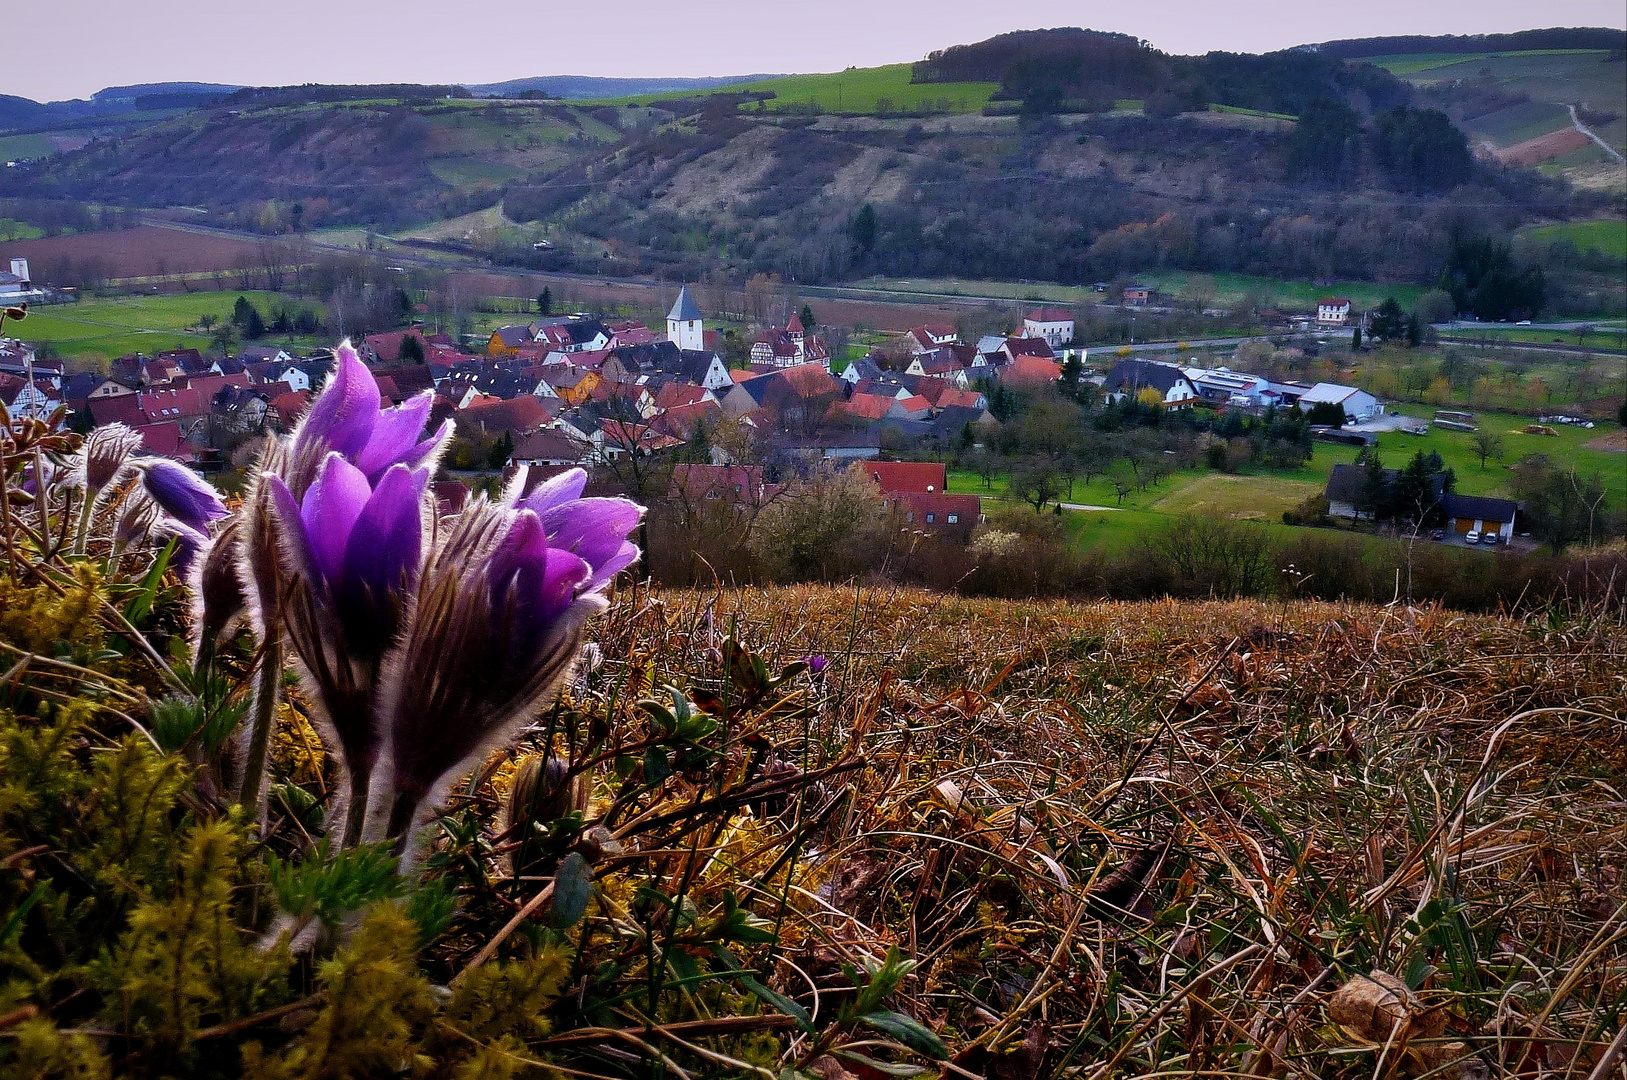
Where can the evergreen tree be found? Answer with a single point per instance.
(545, 301)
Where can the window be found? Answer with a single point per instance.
(954, 519)
(931, 518)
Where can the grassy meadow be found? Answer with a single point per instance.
(1605, 235)
(853, 92)
(112, 327)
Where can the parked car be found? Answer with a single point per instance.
(1489, 538)
(1438, 535)
(1471, 537)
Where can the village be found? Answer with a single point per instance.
(571, 390)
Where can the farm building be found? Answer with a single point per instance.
(1475, 513)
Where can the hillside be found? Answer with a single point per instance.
(1049, 155)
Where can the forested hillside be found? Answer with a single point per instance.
(1097, 157)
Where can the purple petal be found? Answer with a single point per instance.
(592, 528)
(564, 488)
(383, 554)
(605, 571)
(183, 494)
(333, 503)
(343, 415)
(286, 513)
(188, 542)
(395, 437)
(532, 584)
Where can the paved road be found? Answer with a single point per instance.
(1583, 128)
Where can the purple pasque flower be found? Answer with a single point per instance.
(346, 418)
(352, 551)
(595, 529)
(497, 625)
(181, 493)
(816, 664)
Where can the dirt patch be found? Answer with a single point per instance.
(1614, 442)
(715, 182)
(1540, 149)
(145, 251)
(867, 178)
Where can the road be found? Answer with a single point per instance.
(1583, 128)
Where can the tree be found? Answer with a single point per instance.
(1326, 414)
(1373, 499)
(1421, 149)
(1487, 445)
(1036, 484)
(863, 228)
(825, 528)
(545, 301)
(806, 316)
(1482, 278)
(412, 350)
(1561, 505)
(1355, 338)
(1388, 323)
(246, 317)
(1326, 143)
(207, 321)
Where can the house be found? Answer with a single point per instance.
(1222, 386)
(1030, 371)
(573, 386)
(1475, 513)
(931, 336)
(953, 420)
(26, 398)
(551, 447)
(775, 348)
(1053, 324)
(506, 340)
(16, 287)
(1137, 295)
(794, 396)
(1332, 311)
(163, 439)
(498, 416)
(386, 347)
(938, 363)
(238, 410)
(682, 421)
(1130, 377)
(1013, 347)
(250, 355)
(1359, 405)
(950, 516)
(289, 407)
(1344, 490)
(860, 370)
(898, 477)
(571, 333)
(861, 407)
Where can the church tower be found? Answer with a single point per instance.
(684, 323)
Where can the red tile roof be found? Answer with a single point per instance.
(515, 415)
(907, 476)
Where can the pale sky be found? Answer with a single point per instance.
(54, 49)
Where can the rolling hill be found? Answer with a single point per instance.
(1050, 155)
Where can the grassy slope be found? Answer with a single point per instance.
(138, 324)
(1608, 235)
(855, 91)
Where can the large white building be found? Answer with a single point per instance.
(1332, 311)
(1359, 405)
(1055, 325)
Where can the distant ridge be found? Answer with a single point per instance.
(1557, 37)
(579, 87)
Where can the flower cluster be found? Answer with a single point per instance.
(424, 642)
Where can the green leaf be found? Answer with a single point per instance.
(908, 1031)
(655, 765)
(15, 923)
(141, 603)
(763, 993)
(573, 888)
(891, 1068)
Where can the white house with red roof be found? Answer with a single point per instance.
(1053, 324)
(1332, 311)
(931, 336)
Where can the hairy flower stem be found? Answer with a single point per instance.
(83, 531)
(265, 713)
(361, 780)
(402, 811)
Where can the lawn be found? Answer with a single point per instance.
(147, 324)
(1515, 124)
(1606, 235)
(12, 229)
(856, 91)
(1297, 295)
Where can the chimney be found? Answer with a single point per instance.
(19, 267)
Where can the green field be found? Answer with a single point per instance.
(146, 324)
(1262, 495)
(854, 92)
(1517, 123)
(12, 229)
(1293, 295)
(1608, 235)
(13, 147)
(1417, 63)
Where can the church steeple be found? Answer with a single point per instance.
(684, 323)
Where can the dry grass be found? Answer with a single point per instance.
(1153, 839)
